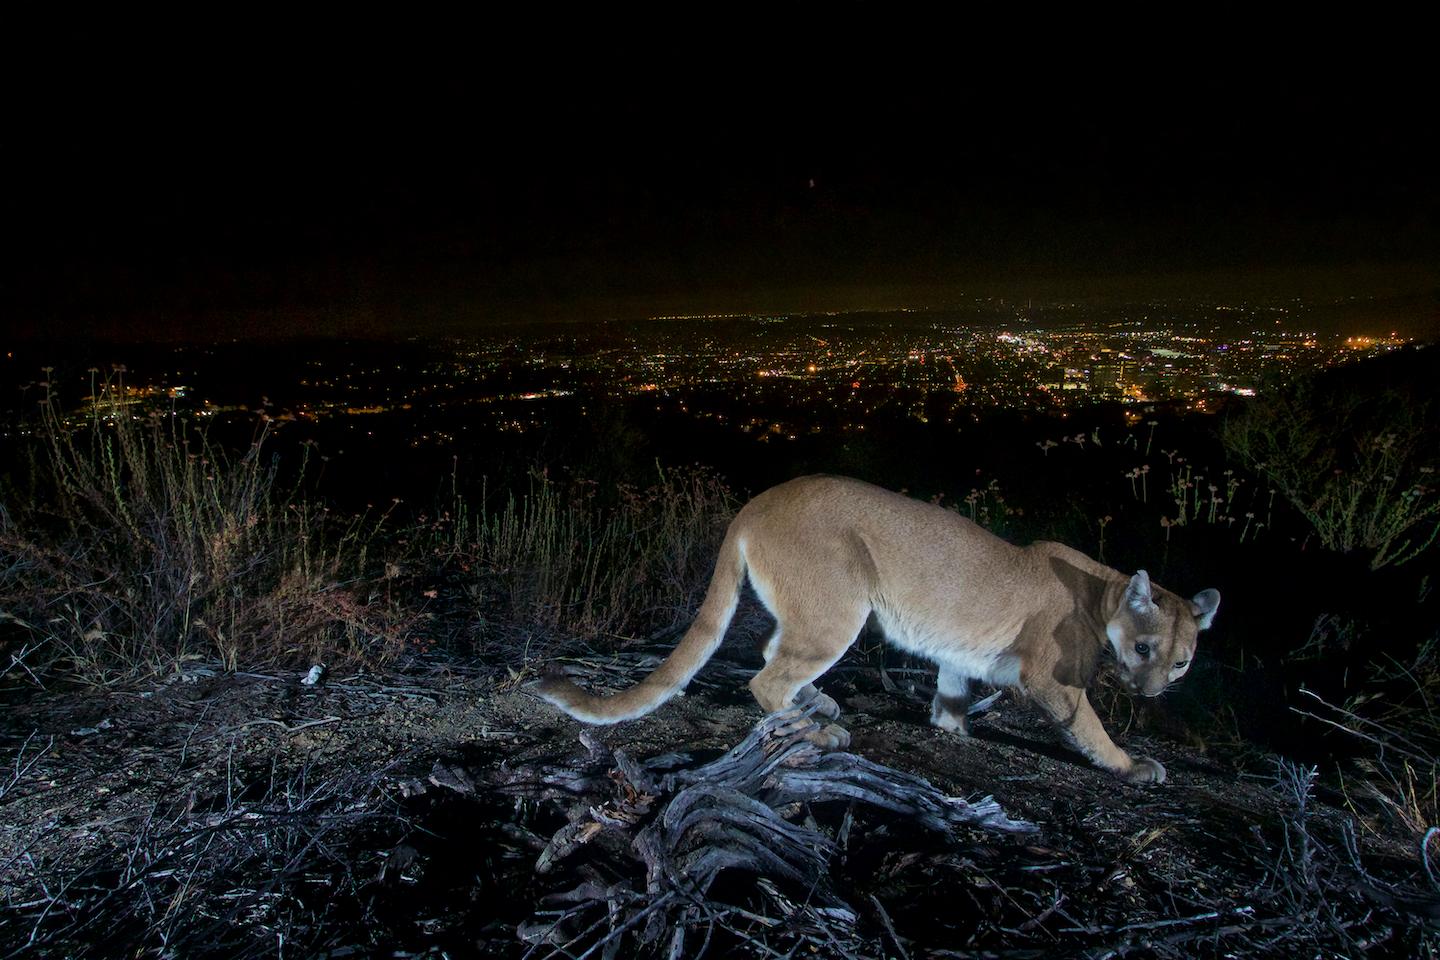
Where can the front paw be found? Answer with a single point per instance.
(1145, 770)
(955, 723)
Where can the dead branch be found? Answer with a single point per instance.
(688, 825)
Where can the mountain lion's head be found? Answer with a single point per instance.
(1154, 632)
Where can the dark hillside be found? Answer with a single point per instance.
(173, 785)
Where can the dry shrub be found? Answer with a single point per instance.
(564, 556)
(1399, 715)
(146, 545)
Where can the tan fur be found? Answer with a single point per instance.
(823, 553)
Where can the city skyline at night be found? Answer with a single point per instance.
(245, 205)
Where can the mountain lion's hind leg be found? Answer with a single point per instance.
(825, 705)
(793, 664)
(953, 694)
(780, 683)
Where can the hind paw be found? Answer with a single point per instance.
(830, 737)
(825, 706)
(1145, 770)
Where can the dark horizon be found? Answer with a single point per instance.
(362, 207)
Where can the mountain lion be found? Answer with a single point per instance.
(824, 552)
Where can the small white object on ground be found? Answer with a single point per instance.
(105, 724)
(315, 675)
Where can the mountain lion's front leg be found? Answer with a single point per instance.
(949, 709)
(1070, 707)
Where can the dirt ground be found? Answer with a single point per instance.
(250, 815)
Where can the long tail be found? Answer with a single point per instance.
(694, 650)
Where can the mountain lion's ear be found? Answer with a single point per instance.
(1203, 605)
(1137, 594)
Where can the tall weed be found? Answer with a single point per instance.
(572, 557)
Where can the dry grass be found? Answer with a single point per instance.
(567, 557)
(254, 866)
(1398, 721)
(144, 545)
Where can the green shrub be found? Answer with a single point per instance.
(1359, 466)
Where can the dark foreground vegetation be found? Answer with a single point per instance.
(170, 787)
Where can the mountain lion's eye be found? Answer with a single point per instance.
(1180, 663)
(1143, 649)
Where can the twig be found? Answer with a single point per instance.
(630, 924)
(21, 771)
(1409, 749)
(1425, 856)
(1184, 921)
(288, 728)
(889, 927)
(1040, 918)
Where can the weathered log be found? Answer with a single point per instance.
(558, 779)
(845, 775)
(691, 824)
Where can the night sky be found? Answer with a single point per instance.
(189, 202)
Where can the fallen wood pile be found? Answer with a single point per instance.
(747, 811)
